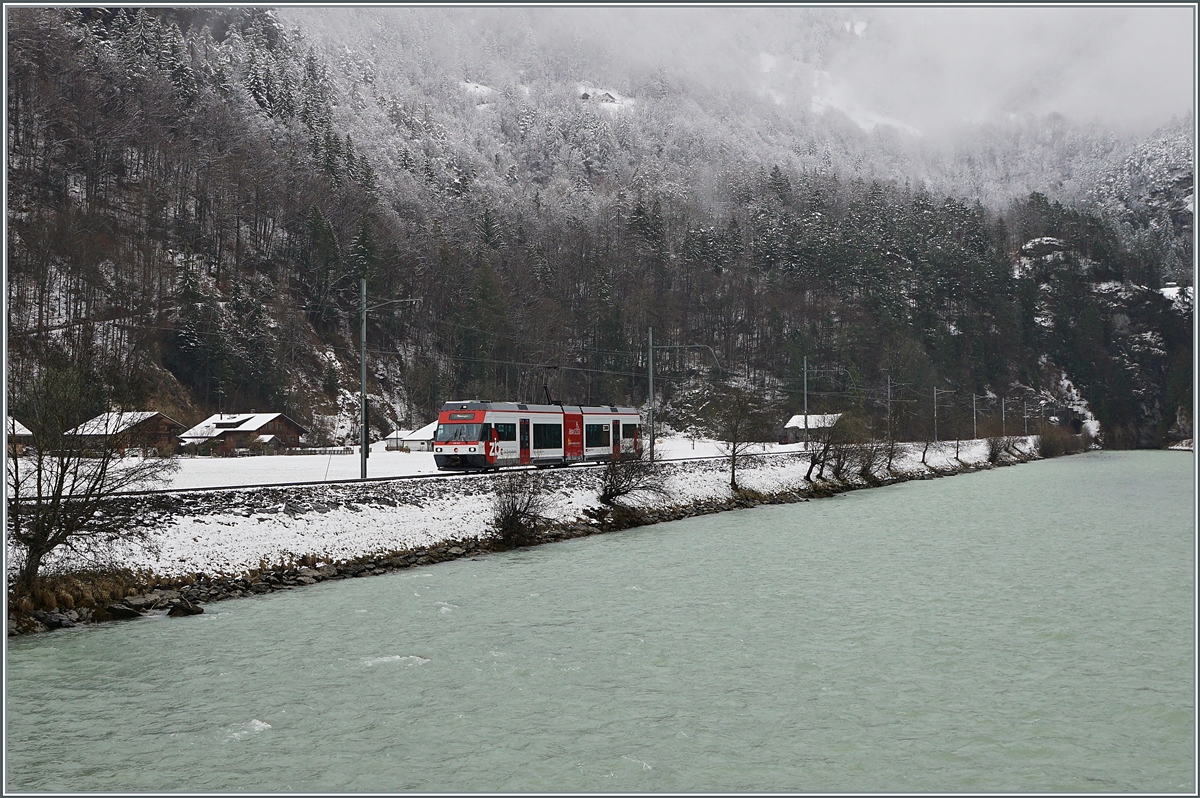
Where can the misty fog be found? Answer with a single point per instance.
(932, 69)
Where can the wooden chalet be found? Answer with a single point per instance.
(147, 430)
(223, 433)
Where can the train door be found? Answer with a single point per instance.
(616, 439)
(572, 436)
(524, 439)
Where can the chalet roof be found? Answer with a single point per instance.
(217, 425)
(821, 421)
(116, 421)
(425, 433)
(15, 427)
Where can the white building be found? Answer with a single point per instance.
(417, 441)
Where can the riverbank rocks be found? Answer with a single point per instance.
(184, 607)
(53, 620)
(122, 612)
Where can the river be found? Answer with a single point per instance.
(1027, 629)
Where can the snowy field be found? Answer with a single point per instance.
(228, 472)
(230, 531)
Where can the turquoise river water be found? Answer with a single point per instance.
(1028, 629)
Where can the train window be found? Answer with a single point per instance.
(595, 435)
(456, 432)
(628, 430)
(547, 436)
(506, 432)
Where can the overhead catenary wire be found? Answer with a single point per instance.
(774, 383)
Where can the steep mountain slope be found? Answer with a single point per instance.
(195, 196)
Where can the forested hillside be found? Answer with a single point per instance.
(193, 196)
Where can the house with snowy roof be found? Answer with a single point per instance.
(129, 429)
(796, 425)
(224, 432)
(420, 440)
(19, 436)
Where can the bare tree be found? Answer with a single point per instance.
(518, 507)
(740, 418)
(629, 475)
(820, 442)
(851, 449)
(59, 489)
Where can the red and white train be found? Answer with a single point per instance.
(478, 436)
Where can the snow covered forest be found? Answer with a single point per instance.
(194, 194)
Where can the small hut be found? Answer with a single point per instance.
(793, 430)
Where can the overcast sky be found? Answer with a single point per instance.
(1124, 66)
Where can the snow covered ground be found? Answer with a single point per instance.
(221, 472)
(230, 531)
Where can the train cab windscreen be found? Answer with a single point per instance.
(448, 433)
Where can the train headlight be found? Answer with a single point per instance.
(472, 448)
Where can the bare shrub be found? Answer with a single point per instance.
(1055, 441)
(518, 507)
(630, 475)
(870, 458)
(1004, 446)
(1012, 448)
(839, 458)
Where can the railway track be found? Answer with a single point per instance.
(402, 477)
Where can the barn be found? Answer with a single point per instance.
(147, 430)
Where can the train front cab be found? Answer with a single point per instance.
(459, 444)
